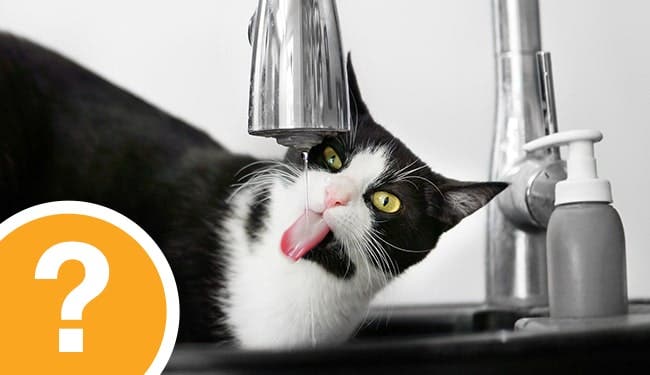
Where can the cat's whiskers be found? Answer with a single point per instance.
(277, 170)
(270, 179)
(415, 186)
(356, 244)
(391, 267)
(262, 180)
(427, 181)
(397, 173)
(348, 265)
(386, 266)
(394, 175)
(359, 247)
(405, 174)
(373, 256)
(372, 253)
(276, 163)
(397, 247)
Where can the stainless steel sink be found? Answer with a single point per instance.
(457, 339)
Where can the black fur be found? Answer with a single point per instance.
(67, 134)
(331, 256)
(257, 214)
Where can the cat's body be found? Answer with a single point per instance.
(66, 134)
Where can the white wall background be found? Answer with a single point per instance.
(427, 72)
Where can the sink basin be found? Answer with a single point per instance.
(456, 339)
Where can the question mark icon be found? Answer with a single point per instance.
(94, 282)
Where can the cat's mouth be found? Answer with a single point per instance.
(304, 235)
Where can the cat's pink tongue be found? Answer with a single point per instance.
(303, 235)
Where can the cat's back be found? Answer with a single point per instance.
(40, 88)
(67, 133)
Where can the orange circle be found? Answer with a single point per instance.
(123, 326)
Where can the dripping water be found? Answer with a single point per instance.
(305, 159)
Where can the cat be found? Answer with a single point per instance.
(253, 268)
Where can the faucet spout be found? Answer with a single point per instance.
(298, 87)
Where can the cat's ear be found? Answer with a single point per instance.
(358, 108)
(460, 199)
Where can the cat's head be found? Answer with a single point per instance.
(371, 200)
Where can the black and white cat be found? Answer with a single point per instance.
(252, 266)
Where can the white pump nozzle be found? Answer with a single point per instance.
(582, 183)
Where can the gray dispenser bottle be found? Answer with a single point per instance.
(585, 239)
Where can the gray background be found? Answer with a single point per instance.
(427, 73)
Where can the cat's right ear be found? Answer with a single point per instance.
(460, 199)
(358, 108)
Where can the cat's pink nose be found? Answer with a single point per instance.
(335, 198)
(339, 192)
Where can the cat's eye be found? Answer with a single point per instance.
(386, 202)
(332, 159)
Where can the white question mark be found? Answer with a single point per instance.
(94, 282)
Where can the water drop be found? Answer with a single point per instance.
(305, 158)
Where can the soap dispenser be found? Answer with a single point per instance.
(585, 239)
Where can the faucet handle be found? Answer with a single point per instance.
(547, 96)
(530, 199)
(547, 92)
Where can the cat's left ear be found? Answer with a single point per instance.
(358, 108)
(460, 199)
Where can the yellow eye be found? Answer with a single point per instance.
(386, 202)
(332, 158)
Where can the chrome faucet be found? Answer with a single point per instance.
(298, 87)
(516, 274)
